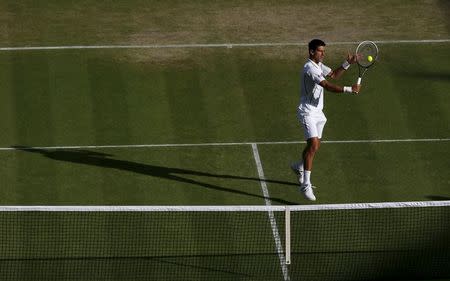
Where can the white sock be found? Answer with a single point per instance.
(307, 177)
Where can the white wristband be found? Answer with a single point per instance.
(348, 90)
(345, 65)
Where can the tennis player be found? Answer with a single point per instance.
(309, 112)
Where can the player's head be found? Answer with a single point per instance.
(316, 50)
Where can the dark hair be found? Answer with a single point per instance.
(314, 44)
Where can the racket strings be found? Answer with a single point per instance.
(367, 54)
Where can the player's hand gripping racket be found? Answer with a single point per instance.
(366, 55)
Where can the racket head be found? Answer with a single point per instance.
(363, 51)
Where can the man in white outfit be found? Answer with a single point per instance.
(309, 112)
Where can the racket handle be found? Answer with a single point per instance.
(359, 81)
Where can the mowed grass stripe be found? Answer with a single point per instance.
(8, 113)
(188, 111)
(71, 90)
(420, 88)
(109, 95)
(225, 97)
(32, 98)
(148, 87)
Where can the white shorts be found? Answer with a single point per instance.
(312, 125)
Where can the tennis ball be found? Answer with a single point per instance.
(369, 58)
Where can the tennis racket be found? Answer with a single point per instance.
(366, 56)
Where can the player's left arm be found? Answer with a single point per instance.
(339, 89)
(337, 73)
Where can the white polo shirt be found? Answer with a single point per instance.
(311, 93)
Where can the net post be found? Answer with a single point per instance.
(287, 216)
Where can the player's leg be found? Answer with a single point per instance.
(298, 167)
(312, 145)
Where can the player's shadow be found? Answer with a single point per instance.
(445, 6)
(437, 197)
(102, 160)
(427, 76)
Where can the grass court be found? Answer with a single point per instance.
(174, 123)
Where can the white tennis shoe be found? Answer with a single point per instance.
(307, 190)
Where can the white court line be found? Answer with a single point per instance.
(216, 144)
(213, 45)
(273, 222)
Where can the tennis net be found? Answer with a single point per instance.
(377, 241)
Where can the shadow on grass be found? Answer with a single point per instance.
(434, 76)
(102, 160)
(437, 197)
(445, 6)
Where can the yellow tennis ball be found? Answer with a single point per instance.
(369, 58)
